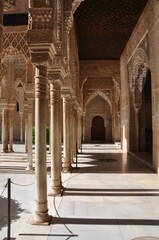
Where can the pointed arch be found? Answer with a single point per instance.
(95, 94)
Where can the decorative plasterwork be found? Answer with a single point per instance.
(138, 68)
(69, 19)
(40, 18)
(95, 94)
(75, 5)
(59, 25)
(19, 76)
(9, 4)
(15, 43)
(3, 74)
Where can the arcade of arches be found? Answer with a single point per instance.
(88, 70)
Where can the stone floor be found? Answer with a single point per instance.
(109, 195)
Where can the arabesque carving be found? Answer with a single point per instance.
(69, 19)
(138, 69)
(40, 18)
(15, 43)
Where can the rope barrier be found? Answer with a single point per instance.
(4, 189)
(22, 185)
(60, 217)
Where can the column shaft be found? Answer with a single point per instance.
(26, 131)
(55, 125)
(11, 131)
(66, 134)
(41, 212)
(29, 136)
(4, 130)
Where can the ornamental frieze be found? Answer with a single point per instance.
(41, 18)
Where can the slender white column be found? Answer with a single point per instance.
(71, 133)
(66, 133)
(55, 136)
(4, 130)
(40, 215)
(11, 131)
(26, 131)
(21, 126)
(29, 135)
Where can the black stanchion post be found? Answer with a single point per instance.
(9, 198)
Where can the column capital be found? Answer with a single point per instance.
(66, 93)
(56, 73)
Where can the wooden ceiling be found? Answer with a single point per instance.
(103, 27)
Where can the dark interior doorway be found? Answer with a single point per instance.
(145, 117)
(98, 129)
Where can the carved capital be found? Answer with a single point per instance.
(40, 58)
(40, 18)
(66, 94)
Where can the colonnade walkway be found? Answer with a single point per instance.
(109, 195)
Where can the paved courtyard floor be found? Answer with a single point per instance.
(109, 195)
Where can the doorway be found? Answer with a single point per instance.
(145, 117)
(98, 129)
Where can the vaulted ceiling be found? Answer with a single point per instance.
(103, 27)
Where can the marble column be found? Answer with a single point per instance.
(11, 130)
(40, 215)
(72, 133)
(66, 133)
(75, 130)
(4, 130)
(29, 135)
(26, 130)
(55, 137)
(21, 126)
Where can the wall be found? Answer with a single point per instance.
(145, 36)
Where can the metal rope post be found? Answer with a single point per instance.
(9, 199)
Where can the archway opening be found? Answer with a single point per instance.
(98, 129)
(145, 117)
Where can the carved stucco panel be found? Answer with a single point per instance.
(97, 93)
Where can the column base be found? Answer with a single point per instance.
(67, 169)
(29, 168)
(56, 191)
(40, 219)
(4, 151)
(11, 151)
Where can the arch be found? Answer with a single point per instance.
(70, 19)
(145, 116)
(75, 5)
(137, 71)
(95, 94)
(98, 129)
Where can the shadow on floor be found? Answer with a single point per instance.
(109, 162)
(15, 211)
(91, 221)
